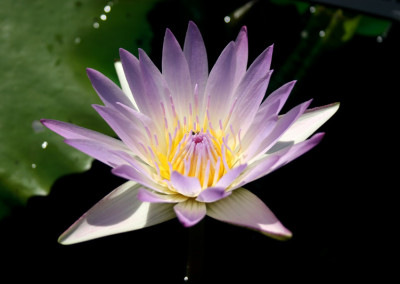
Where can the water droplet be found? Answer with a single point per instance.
(304, 34)
(185, 278)
(103, 17)
(44, 144)
(379, 39)
(33, 166)
(227, 19)
(96, 25)
(321, 33)
(107, 9)
(77, 40)
(312, 9)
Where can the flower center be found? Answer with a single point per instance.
(199, 154)
(193, 148)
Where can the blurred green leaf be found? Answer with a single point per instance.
(45, 47)
(301, 6)
(370, 26)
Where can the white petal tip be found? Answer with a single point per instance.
(284, 236)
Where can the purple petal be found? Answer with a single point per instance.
(251, 91)
(97, 150)
(190, 212)
(133, 76)
(279, 96)
(258, 169)
(103, 145)
(242, 51)
(257, 70)
(145, 82)
(230, 176)
(188, 186)
(295, 151)
(175, 70)
(255, 136)
(154, 197)
(140, 119)
(281, 126)
(220, 84)
(196, 57)
(213, 194)
(118, 212)
(248, 103)
(271, 162)
(130, 173)
(155, 87)
(107, 90)
(243, 208)
(71, 131)
(130, 132)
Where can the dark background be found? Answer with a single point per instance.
(338, 199)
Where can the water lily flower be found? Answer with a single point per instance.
(190, 139)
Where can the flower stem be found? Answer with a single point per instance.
(194, 267)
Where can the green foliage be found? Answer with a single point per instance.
(45, 47)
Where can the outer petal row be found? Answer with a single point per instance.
(243, 208)
(95, 144)
(122, 211)
(118, 212)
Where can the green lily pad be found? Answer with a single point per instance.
(45, 47)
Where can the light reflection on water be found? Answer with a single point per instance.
(107, 8)
(44, 144)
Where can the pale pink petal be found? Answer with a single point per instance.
(196, 56)
(243, 208)
(150, 196)
(118, 212)
(213, 194)
(175, 70)
(188, 186)
(107, 90)
(190, 212)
